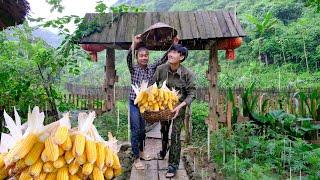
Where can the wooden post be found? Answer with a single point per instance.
(188, 125)
(110, 79)
(212, 75)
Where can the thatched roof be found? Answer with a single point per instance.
(195, 28)
(13, 12)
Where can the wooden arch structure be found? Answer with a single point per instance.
(198, 30)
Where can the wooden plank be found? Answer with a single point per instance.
(104, 20)
(154, 18)
(176, 23)
(208, 25)
(236, 23)
(215, 24)
(113, 29)
(147, 20)
(121, 30)
(131, 26)
(163, 164)
(194, 25)
(143, 174)
(222, 23)
(232, 28)
(164, 17)
(185, 25)
(181, 175)
(201, 27)
(140, 23)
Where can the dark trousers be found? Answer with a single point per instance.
(137, 127)
(175, 147)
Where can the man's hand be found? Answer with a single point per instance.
(176, 110)
(136, 40)
(175, 39)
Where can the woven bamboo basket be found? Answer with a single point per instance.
(155, 116)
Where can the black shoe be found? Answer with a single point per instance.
(171, 172)
(161, 155)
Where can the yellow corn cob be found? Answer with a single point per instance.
(91, 151)
(117, 172)
(34, 154)
(97, 174)
(42, 176)
(1, 161)
(48, 167)
(52, 150)
(19, 165)
(81, 159)
(67, 145)
(109, 157)
(63, 174)
(74, 177)
(59, 163)
(24, 146)
(79, 145)
(44, 156)
(116, 161)
(68, 156)
(51, 176)
(74, 167)
(36, 168)
(61, 135)
(25, 175)
(87, 169)
(81, 176)
(108, 174)
(3, 173)
(61, 151)
(101, 155)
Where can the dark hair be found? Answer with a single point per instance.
(141, 49)
(180, 49)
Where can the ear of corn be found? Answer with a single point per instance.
(97, 174)
(74, 167)
(1, 161)
(59, 163)
(108, 174)
(61, 135)
(87, 169)
(63, 174)
(52, 150)
(48, 167)
(109, 157)
(100, 155)
(67, 145)
(116, 162)
(34, 154)
(42, 176)
(3, 173)
(36, 168)
(51, 176)
(91, 151)
(81, 159)
(68, 156)
(23, 147)
(74, 177)
(25, 175)
(44, 156)
(61, 151)
(79, 145)
(19, 166)
(117, 172)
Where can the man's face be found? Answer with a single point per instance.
(143, 57)
(174, 57)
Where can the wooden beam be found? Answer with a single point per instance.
(110, 79)
(212, 75)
